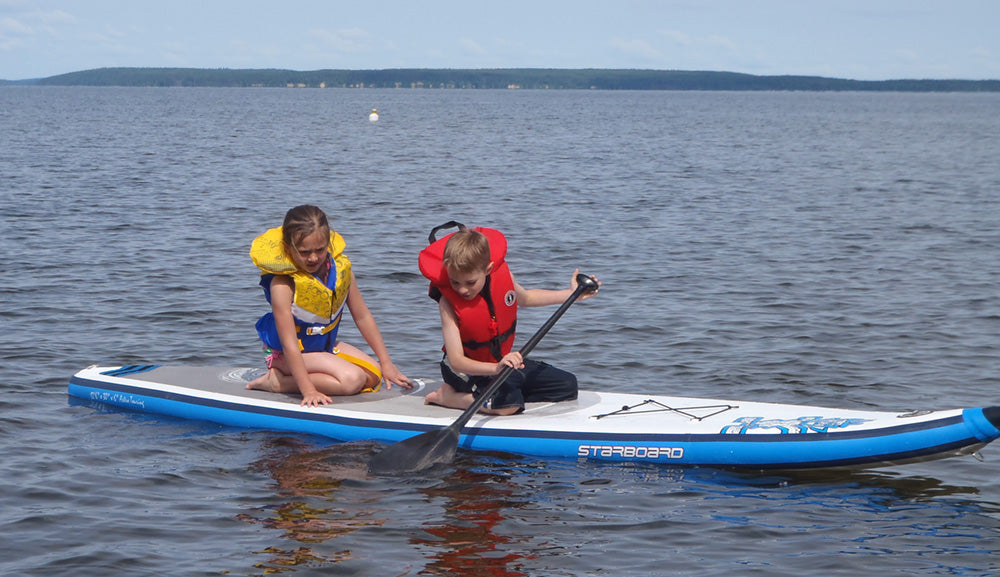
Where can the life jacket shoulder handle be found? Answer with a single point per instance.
(432, 237)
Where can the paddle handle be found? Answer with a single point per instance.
(583, 284)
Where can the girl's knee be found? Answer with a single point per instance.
(356, 378)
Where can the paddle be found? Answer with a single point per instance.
(427, 449)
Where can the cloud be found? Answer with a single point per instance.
(472, 46)
(724, 42)
(54, 17)
(636, 47)
(175, 53)
(110, 40)
(13, 27)
(677, 37)
(13, 33)
(350, 40)
(29, 22)
(906, 55)
(22, 26)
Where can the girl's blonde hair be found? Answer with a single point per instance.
(302, 221)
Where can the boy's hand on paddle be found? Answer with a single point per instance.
(586, 295)
(513, 360)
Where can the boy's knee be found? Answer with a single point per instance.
(507, 411)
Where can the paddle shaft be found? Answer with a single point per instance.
(584, 284)
(438, 446)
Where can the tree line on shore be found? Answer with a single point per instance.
(498, 78)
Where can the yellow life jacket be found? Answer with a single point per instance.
(314, 302)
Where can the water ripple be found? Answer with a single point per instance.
(818, 248)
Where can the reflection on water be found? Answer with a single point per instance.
(507, 516)
(464, 541)
(322, 496)
(309, 479)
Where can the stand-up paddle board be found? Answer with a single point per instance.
(606, 426)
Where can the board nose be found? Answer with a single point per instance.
(992, 415)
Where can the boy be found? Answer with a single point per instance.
(478, 299)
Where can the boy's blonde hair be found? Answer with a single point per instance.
(467, 251)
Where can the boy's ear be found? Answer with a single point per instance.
(489, 268)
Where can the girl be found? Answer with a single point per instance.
(308, 281)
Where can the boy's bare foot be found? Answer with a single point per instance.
(433, 398)
(267, 382)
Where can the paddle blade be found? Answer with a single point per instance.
(417, 453)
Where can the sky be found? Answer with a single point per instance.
(858, 39)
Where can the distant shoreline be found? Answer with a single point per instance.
(493, 78)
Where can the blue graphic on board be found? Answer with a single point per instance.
(798, 425)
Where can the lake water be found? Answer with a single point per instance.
(832, 249)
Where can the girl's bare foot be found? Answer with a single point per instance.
(267, 382)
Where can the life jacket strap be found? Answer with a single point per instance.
(494, 343)
(374, 382)
(432, 237)
(322, 330)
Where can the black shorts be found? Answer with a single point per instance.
(537, 382)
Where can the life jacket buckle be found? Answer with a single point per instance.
(321, 329)
(314, 330)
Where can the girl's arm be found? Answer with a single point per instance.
(456, 353)
(368, 328)
(282, 292)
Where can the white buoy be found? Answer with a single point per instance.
(373, 116)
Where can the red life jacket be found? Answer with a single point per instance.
(487, 322)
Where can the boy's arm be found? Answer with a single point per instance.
(545, 297)
(453, 345)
